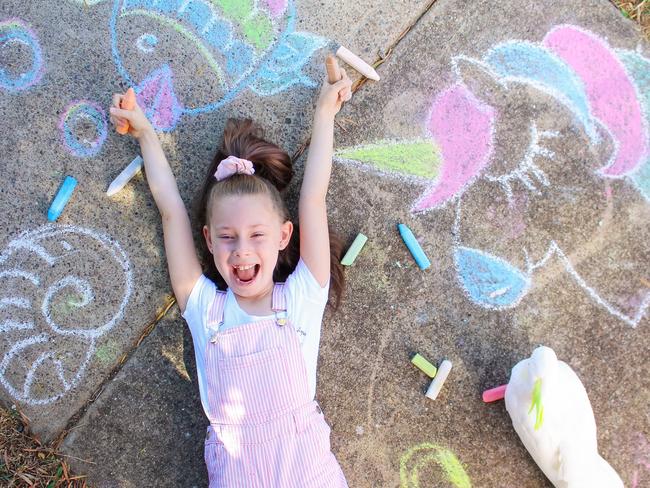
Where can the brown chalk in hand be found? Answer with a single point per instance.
(333, 70)
(127, 103)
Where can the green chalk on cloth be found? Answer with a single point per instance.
(354, 250)
(425, 366)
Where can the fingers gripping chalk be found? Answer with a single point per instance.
(411, 242)
(333, 70)
(423, 365)
(125, 176)
(357, 63)
(354, 250)
(127, 103)
(494, 394)
(61, 198)
(439, 380)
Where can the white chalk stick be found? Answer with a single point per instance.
(125, 176)
(357, 63)
(439, 380)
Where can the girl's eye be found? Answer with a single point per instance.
(225, 237)
(258, 234)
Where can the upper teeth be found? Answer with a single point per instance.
(241, 268)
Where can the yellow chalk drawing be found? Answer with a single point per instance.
(426, 453)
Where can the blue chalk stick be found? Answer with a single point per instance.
(418, 254)
(61, 198)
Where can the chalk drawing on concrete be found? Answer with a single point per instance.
(78, 119)
(494, 283)
(244, 45)
(14, 35)
(427, 454)
(642, 461)
(528, 173)
(147, 42)
(568, 65)
(418, 159)
(35, 368)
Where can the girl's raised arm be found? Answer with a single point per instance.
(184, 266)
(312, 211)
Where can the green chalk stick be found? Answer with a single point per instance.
(425, 366)
(354, 250)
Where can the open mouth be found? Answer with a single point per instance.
(246, 273)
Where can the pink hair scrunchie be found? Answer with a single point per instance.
(233, 165)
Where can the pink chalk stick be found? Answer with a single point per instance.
(494, 394)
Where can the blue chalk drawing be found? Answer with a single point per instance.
(638, 69)
(531, 63)
(76, 112)
(278, 73)
(15, 31)
(489, 280)
(244, 46)
(147, 42)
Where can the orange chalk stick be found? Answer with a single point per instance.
(333, 70)
(127, 103)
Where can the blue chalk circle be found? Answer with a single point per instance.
(146, 43)
(416, 250)
(78, 112)
(488, 280)
(14, 32)
(536, 65)
(61, 198)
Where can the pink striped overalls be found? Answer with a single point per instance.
(265, 430)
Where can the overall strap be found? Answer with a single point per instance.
(279, 304)
(215, 314)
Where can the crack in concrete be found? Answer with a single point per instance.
(161, 313)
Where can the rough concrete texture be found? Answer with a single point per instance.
(146, 426)
(540, 237)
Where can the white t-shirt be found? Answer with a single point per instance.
(305, 300)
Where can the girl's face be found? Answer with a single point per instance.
(245, 234)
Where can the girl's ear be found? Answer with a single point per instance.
(208, 238)
(285, 234)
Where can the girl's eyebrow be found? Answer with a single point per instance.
(227, 227)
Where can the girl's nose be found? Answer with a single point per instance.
(242, 249)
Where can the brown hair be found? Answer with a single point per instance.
(273, 173)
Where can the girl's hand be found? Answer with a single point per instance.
(138, 122)
(333, 95)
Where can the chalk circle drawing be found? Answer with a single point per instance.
(607, 92)
(14, 34)
(427, 454)
(241, 45)
(147, 42)
(78, 120)
(51, 318)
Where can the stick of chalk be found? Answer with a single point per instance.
(354, 250)
(61, 198)
(439, 380)
(494, 394)
(127, 103)
(411, 242)
(333, 70)
(357, 63)
(423, 365)
(125, 176)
